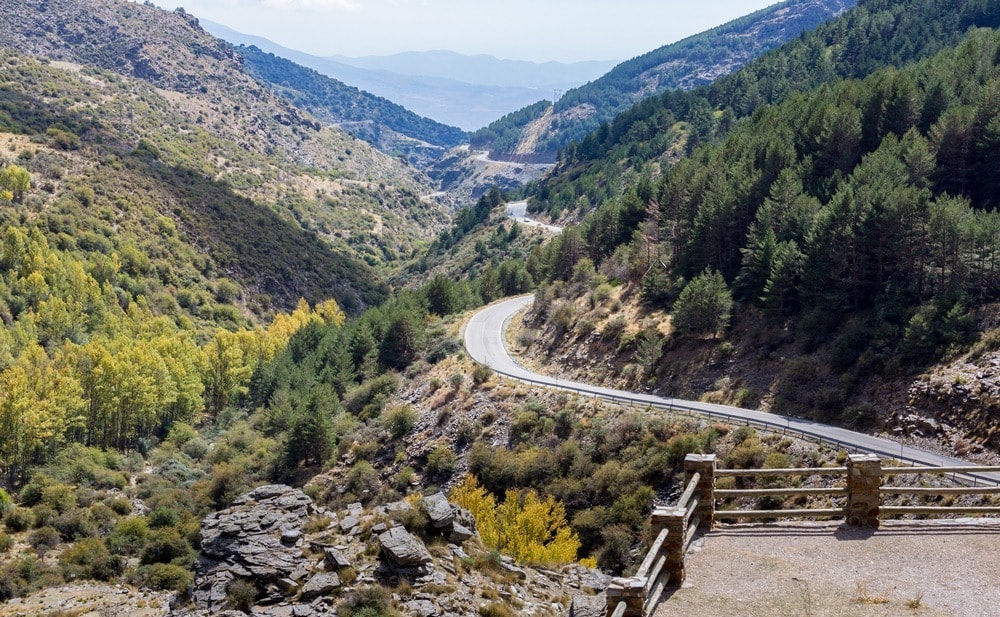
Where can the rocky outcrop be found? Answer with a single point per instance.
(956, 406)
(304, 561)
(259, 540)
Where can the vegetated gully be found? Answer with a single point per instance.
(485, 341)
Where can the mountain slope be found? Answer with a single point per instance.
(388, 126)
(232, 165)
(694, 61)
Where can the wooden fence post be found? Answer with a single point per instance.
(864, 478)
(703, 464)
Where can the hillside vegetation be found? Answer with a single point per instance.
(692, 62)
(657, 132)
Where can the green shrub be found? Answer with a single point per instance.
(60, 497)
(129, 536)
(749, 454)
(362, 478)
(373, 601)
(163, 517)
(18, 519)
(166, 546)
(43, 540)
(241, 595)
(440, 462)
(165, 577)
(403, 479)
(89, 558)
(196, 448)
(6, 503)
(367, 400)
(31, 494)
(121, 507)
(104, 517)
(44, 515)
(75, 524)
(6, 543)
(399, 420)
(481, 374)
(181, 433)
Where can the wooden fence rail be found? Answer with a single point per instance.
(677, 526)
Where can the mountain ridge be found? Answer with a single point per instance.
(693, 61)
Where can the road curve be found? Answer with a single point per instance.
(518, 211)
(485, 342)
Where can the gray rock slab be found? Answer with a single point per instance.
(321, 584)
(403, 549)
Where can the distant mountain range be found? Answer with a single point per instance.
(449, 100)
(483, 69)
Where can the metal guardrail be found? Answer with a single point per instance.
(970, 474)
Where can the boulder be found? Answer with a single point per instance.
(459, 533)
(335, 559)
(403, 549)
(438, 510)
(321, 584)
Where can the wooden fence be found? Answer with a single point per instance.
(862, 491)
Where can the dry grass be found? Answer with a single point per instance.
(863, 596)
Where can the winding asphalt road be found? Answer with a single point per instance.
(485, 342)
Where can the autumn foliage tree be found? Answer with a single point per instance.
(530, 528)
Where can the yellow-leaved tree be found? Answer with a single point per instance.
(40, 400)
(525, 526)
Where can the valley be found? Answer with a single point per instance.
(274, 341)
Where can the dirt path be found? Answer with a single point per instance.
(924, 568)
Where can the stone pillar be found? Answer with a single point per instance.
(705, 493)
(864, 477)
(674, 521)
(632, 591)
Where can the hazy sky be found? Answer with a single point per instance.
(538, 30)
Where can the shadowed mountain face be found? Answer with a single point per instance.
(387, 126)
(539, 131)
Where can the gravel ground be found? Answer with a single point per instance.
(923, 568)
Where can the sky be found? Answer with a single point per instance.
(535, 30)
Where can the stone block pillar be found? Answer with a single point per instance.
(703, 464)
(632, 591)
(864, 477)
(674, 520)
